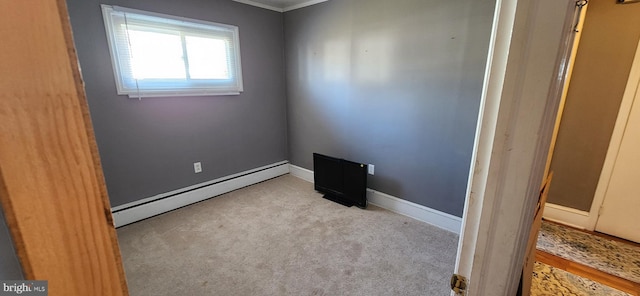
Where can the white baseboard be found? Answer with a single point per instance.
(397, 205)
(301, 173)
(565, 215)
(419, 212)
(149, 207)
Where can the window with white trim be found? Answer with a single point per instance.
(156, 55)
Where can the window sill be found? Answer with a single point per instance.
(177, 94)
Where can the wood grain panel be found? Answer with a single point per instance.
(590, 273)
(51, 182)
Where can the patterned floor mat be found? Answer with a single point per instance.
(548, 280)
(600, 253)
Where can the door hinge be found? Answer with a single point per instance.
(458, 284)
(580, 4)
(601, 210)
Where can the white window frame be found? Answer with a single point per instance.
(127, 85)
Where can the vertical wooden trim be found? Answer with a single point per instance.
(51, 183)
(93, 145)
(530, 254)
(569, 63)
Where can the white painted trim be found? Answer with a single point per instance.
(301, 173)
(278, 9)
(397, 205)
(565, 215)
(412, 210)
(633, 83)
(471, 240)
(136, 211)
(256, 4)
(203, 184)
(517, 112)
(301, 5)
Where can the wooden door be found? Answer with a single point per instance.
(51, 183)
(530, 255)
(619, 212)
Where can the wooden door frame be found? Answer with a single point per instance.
(630, 92)
(565, 90)
(510, 149)
(518, 109)
(52, 187)
(554, 212)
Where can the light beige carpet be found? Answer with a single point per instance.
(280, 237)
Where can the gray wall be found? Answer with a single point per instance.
(393, 83)
(603, 62)
(149, 146)
(9, 265)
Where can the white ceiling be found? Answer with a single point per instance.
(280, 5)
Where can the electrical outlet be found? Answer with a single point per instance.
(371, 169)
(197, 167)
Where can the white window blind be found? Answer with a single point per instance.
(161, 55)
